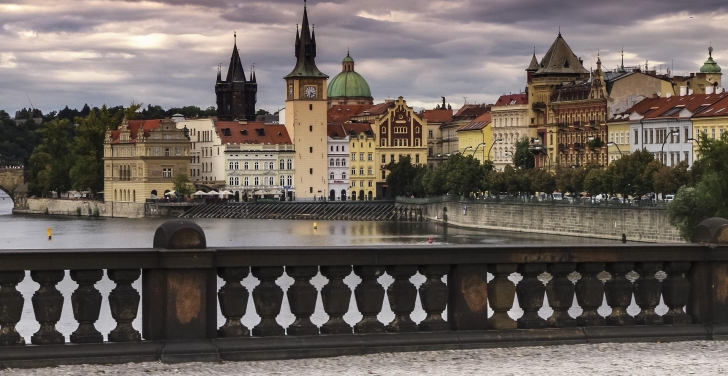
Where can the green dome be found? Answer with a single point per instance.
(710, 66)
(348, 59)
(348, 84)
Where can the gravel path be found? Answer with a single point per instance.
(680, 358)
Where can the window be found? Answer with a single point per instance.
(343, 162)
(370, 183)
(255, 166)
(361, 170)
(353, 171)
(391, 157)
(246, 181)
(429, 133)
(712, 133)
(310, 149)
(343, 175)
(417, 130)
(310, 128)
(417, 158)
(289, 180)
(652, 136)
(167, 172)
(338, 162)
(384, 130)
(361, 183)
(310, 171)
(370, 157)
(289, 165)
(282, 180)
(331, 176)
(166, 152)
(230, 167)
(256, 181)
(332, 148)
(636, 136)
(384, 142)
(270, 165)
(384, 158)
(429, 151)
(384, 175)
(369, 171)
(245, 166)
(270, 180)
(331, 162)
(361, 156)
(353, 156)
(282, 165)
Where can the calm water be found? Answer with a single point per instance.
(29, 232)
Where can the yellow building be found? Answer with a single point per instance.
(142, 158)
(476, 137)
(306, 122)
(617, 138)
(711, 121)
(707, 81)
(362, 147)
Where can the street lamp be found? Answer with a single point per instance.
(662, 150)
(613, 144)
(498, 141)
(542, 150)
(477, 147)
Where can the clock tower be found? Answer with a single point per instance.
(306, 111)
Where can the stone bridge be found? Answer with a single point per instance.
(12, 181)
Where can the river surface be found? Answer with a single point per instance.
(29, 232)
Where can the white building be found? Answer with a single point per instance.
(509, 117)
(258, 160)
(338, 154)
(207, 163)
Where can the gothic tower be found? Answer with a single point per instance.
(306, 109)
(236, 96)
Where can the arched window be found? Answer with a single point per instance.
(384, 142)
(282, 180)
(417, 130)
(255, 166)
(369, 171)
(361, 170)
(331, 162)
(338, 162)
(237, 165)
(289, 165)
(343, 161)
(289, 180)
(282, 165)
(246, 181)
(353, 171)
(256, 181)
(245, 166)
(331, 176)
(232, 181)
(343, 175)
(384, 130)
(270, 165)
(417, 142)
(230, 167)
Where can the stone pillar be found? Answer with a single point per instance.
(708, 302)
(179, 300)
(468, 297)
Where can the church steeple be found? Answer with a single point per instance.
(306, 52)
(235, 69)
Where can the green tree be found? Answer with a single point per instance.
(182, 185)
(594, 181)
(87, 171)
(522, 157)
(627, 174)
(542, 181)
(709, 198)
(49, 165)
(400, 180)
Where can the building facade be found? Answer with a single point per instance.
(509, 125)
(476, 137)
(306, 116)
(435, 120)
(259, 160)
(338, 173)
(207, 157)
(363, 164)
(142, 158)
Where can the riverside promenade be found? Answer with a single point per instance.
(678, 358)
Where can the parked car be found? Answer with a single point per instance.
(669, 197)
(557, 196)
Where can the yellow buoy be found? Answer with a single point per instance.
(315, 225)
(50, 233)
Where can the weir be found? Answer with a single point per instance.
(346, 211)
(179, 298)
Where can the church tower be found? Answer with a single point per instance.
(306, 111)
(236, 96)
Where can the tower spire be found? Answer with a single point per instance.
(622, 58)
(306, 51)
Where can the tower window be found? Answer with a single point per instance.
(310, 107)
(310, 149)
(310, 171)
(310, 128)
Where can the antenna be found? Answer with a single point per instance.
(465, 99)
(31, 103)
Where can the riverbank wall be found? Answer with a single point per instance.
(88, 208)
(605, 222)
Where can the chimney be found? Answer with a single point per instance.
(709, 89)
(654, 95)
(683, 91)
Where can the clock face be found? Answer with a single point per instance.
(310, 92)
(290, 92)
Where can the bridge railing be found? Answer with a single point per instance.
(567, 294)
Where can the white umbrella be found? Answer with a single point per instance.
(226, 193)
(212, 193)
(199, 193)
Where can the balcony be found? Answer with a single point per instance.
(538, 105)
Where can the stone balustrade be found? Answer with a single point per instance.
(180, 298)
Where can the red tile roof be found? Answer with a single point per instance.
(335, 130)
(472, 110)
(147, 125)
(252, 133)
(512, 100)
(437, 116)
(671, 107)
(356, 128)
(380, 108)
(718, 108)
(341, 113)
(479, 122)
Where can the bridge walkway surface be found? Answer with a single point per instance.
(676, 358)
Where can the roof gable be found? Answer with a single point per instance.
(560, 59)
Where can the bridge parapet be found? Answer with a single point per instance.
(467, 294)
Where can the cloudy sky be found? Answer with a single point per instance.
(71, 52)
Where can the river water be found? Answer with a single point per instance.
(29, 232)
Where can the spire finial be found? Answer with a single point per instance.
(534, 50)
(622, 57)
(304, 4)
(347, 51)
(235, 37)
(710, 50)
(559, 30)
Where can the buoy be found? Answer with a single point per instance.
(429, 240)
(50, 233)
(315, 225)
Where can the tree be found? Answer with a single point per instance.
(594, 181)
(465, 174)
(542, 181)
(87, 171)
(522, 157)
(627, 174)
(49, 164)
(182, 185)
(400, 180)
(709, 198)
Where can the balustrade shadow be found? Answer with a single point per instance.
(183, 302)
